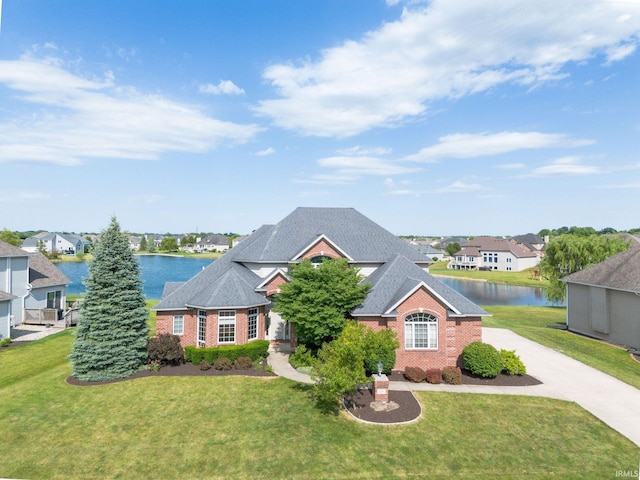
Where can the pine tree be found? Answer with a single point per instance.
(112, 333)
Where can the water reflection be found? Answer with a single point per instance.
(488, 293)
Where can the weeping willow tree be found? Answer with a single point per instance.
(112, 333)
(570, 253)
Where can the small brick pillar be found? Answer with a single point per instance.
(380, 388)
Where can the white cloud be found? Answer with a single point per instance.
(565, 166)
(71, 118)
(224, 87)
(444, 49)
(465, 145)
(364, 166)
(511, 166)
(360, 150)
(455, 187)
(266, 151)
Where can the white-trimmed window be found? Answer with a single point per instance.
(178, 324)
(202, 328)
(421, 331)
(252, 329)
(226, 326)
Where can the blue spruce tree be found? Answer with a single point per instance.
(112, 333)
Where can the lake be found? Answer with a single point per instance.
(155, 270)
(158, 269)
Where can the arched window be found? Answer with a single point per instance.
(317, 260)
(421, 331)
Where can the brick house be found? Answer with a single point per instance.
(229, 302)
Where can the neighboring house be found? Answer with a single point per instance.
(491, 253)
(230, 302)
(134, 242)
(238, 240)
(603, 301)
(213, 243)
(32, 289)
(532, 243)
(427, 250)
(65, 243)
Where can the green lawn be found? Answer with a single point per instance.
(235, 427)
(526, 277)
(534, 322)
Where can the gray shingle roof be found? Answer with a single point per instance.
(360, 238)
(43, 273)
(8, 250)
(620, 272)
(228, 283)
(396, 279)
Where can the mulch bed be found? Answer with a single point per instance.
(358, 406)
(501, 380)
(184, 370)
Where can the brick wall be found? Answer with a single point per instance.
(273, 286)
(164, 324)
(322, 248)
(453, 333)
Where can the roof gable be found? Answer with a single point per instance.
(43, 273)
(361, 239)
(399, 279)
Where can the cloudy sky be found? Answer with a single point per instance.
(432, 118)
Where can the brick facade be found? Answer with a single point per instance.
(453, 333)
(322, 249)
(164, 324)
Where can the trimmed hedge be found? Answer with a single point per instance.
(254, 350)
(482, 359)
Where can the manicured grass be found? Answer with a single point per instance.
(526, 277)
(235, 427)
(534, 322)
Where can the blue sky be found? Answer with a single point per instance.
(432, 118)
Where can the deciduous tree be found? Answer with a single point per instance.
(569, 253)
(317, 300)
(112, 333)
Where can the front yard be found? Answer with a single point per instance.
(237, 427)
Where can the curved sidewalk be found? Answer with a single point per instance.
(614, 402)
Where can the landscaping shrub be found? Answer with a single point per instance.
(452, 375)
(415, 374)
(244, 363)
(166, 348)
(302, 357)
(204, 365)
(5, 341)
(254, 350)
(434, 375)
(482, 359)
(223, 364)
(511, 363)
(381, 347)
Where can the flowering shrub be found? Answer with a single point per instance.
(153, 365)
